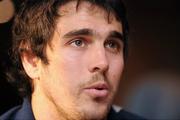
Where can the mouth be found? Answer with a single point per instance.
(97, 90)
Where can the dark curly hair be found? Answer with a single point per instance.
(34, 25)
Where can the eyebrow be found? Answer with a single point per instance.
(116, 34)
(79, 32)
(89, 32)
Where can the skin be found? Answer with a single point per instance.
(84, 52)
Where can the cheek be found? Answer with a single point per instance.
(69, 66)
(115, 71)
(70, 63)
(61, 73)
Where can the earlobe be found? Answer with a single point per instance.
(30, 63)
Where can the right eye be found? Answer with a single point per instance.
(77, 42)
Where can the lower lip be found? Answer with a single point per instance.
(95, 93)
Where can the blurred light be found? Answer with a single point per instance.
(6, 10)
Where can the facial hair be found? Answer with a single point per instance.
(70, 114)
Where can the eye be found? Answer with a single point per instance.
(78, 43)
(113, 45)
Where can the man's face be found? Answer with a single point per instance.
(85, 63)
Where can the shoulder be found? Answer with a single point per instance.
(19, 112)
(123, 115)
(129, 116)
(10, 114)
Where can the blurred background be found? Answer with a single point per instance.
(150, 85)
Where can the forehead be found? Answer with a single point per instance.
(73, 7)
(86, 12)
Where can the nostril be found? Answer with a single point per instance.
(96, 69)
(99, 68)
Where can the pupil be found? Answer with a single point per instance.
(78, 42)
(112, 45)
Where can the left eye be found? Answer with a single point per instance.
(78, 43)
(113, 46)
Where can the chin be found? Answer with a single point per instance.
(95, 113)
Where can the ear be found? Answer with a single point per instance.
(30, 63)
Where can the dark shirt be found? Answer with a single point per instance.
(24, 112)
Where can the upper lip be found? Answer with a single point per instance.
(98, 85)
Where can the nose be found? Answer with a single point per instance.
(98, 61)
